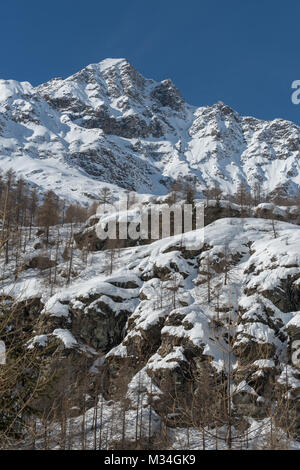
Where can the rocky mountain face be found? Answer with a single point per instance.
(151, 332)
(108, 124)
(181, 319)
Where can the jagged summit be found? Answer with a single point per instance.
(107, 124)
(108, 63)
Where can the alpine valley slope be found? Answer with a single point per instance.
(151, 330)
(109, 125)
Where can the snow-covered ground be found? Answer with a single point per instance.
(152, 283)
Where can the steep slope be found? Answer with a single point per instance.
(174, 313)
(109, 125)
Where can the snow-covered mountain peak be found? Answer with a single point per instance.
(108, 63)
(107, 124)
(13, 89)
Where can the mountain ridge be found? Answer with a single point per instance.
(108, 125)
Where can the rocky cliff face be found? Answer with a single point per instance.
(108, 124)
(180, 316)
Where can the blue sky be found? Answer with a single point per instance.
(243, 52)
